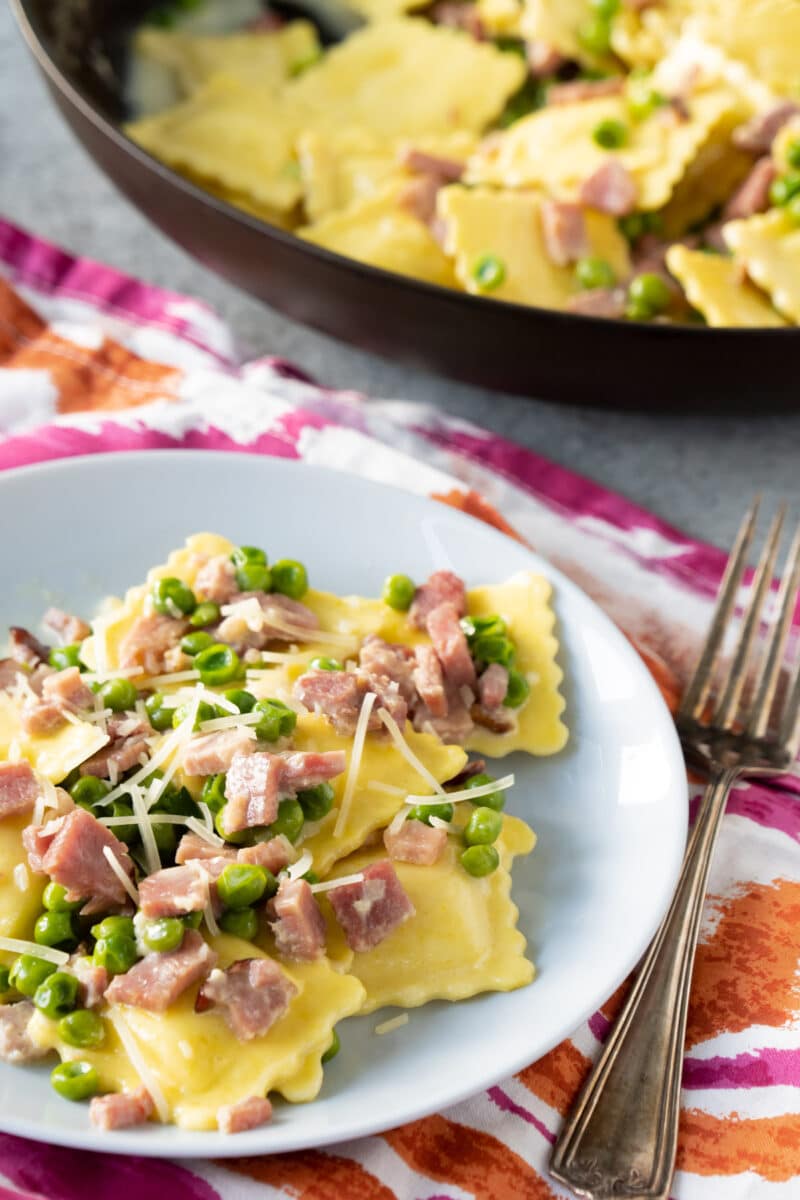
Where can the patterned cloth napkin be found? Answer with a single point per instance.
(94, 362)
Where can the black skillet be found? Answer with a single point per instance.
(80, 47)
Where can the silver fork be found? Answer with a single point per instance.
(621, 1137)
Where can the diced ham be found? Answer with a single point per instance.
(10, 673)
(599, 302)
(752, 196)
(418, 197)
(442, 587)
(70, 851)
(388, 696)
(252, 789)
(296, 922)
(148, 641)
(585, 89)
(18, 789)
(71, 629)
(450, 644)
(498, 720)
(67, 689)
(543, 59)
(429, 681)
(174, 891)
(566, 238)
(459, 14)
(370, 910)
(39, 718)
(92, 980)
(456, 725)
(246, 1114)
(193, 848)
(285, 620)
(116, 758)
(415, 842)
(757, 135)
(127, 725)
(212, 753)
(253, 993)
(306, 770)
(27, 649)
(389, 659)
(448, 170)
(337, 695)
(493, 685)
(16, 1046)
(274, 854)
(610, 189)
(216, 580)
(156, 981)
(121, 1110)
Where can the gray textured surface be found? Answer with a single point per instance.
(696, 471)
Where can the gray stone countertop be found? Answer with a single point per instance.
(696, 470)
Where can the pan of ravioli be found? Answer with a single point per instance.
(235, 811)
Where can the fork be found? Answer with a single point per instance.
(621, 1137)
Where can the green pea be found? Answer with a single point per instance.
(310, 876)
(163, 935)
(62, 657)
(172, 597)
(116, 953)
(126, 833)
(321, 663)
(114, 926)
(206, 613)
(28, 972)
(487, 648)
(218, 664)
(518, 689)
(213, 792)
(480, 860)
(176, 800)
(424, 812)
(332, 1050)
(605, 8)
(610, 133)
(492, 625)
(793, 209)
(593, 272)
(158, 714)
(643, 99)
(495, 800)
(240, 922)
(166, 839)
(54, 929)
(289, 821)
(5, 979)
(483, 827)
(244, 555)
(239, 837)
(241, 884)
(489, 272)
(290, 578)
(595, 35)
(244, 701)
(89, 790)
(648, 295)
(277, 720)
(254, 577)
(793, 153)
(55, 899)
(82, 1028)
(120, 695)
(784, 188)
(57, 995)
(398, 592)
(75, 1080)
(316, 802)
(205, 712)
(193, 643)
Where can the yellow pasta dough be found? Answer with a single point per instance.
(53, 755)
(20, 900)
(714, 286)
(768, 246)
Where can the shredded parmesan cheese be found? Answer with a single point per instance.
(355, 762)
(170, 677)
(141, 817)
(275, 656)
(485, 789)
(438, 823)
(18, 946)
(304, 863)
(121, 873)
(20, 874)
(322, 637)
(329, 884)
(203, 832)
(101, 676)
(170, 745)
(406, 751)
(139, 1064)
(399, 819)
(240, 719)
(248, 611)
(376, 785)
(101, 715)
(213, 927)
(153, 818)
(390, 1026)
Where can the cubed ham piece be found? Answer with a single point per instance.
(156, 981)
(10, 673)
(752, 196)
(69, 628)
(192, 848)
(149, 639)
(253, 994)
(757, 135)
(70, 851)
(282, 612)
(448, 170)
(16, 1046)
(450, 644)
(459, 14)
(497, 720)
(610, 189)
(543, 59)
(121, 1110)
(252, 790)
(456, 725)
(274, 854)
(418, 197)
(116, 758)
(212, 753)
(216, 580)
(303, 770)
(389, 660)
(18, 789)
(599, 302)
(566, 238)
(174, 891)
(41, 717)
(246, 1114)
(67, 689)
(337, 695)
(296, 921)
(415, 842)
(441, 588)
(429, 680)
(368, 911)
(92, 980)
(578, 90)
(27, 649)
(493, 685)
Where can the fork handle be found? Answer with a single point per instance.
(621, 1137)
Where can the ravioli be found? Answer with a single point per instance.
(557, 23)
(763, 34)
(463, 938)
(714, 286)
(710, 179)
(768, 246)
(19, 907)
(53, 755)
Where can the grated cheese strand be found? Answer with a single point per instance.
(317, 637)
(171, 677)
(485, 789)
(328, 885)
(48, 953)
(121, 873)
(376, 785)
(407, 753)
(241, 719)
(171, 744)
(139, 1064)
(448, 826)
(153, 818)
(211, 923)
(20, 876)
(391, 1025)
(102, 676)
(355, 762)
(203, 832)
(304, 863)
(399, 819)
(141, 816)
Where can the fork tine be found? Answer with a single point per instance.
(769, 674)
(695, 695)
(734, 677)
(789, 736)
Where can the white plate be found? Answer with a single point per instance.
(610, 810)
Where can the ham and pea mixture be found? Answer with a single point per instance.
(630, 159)
(235, 810)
